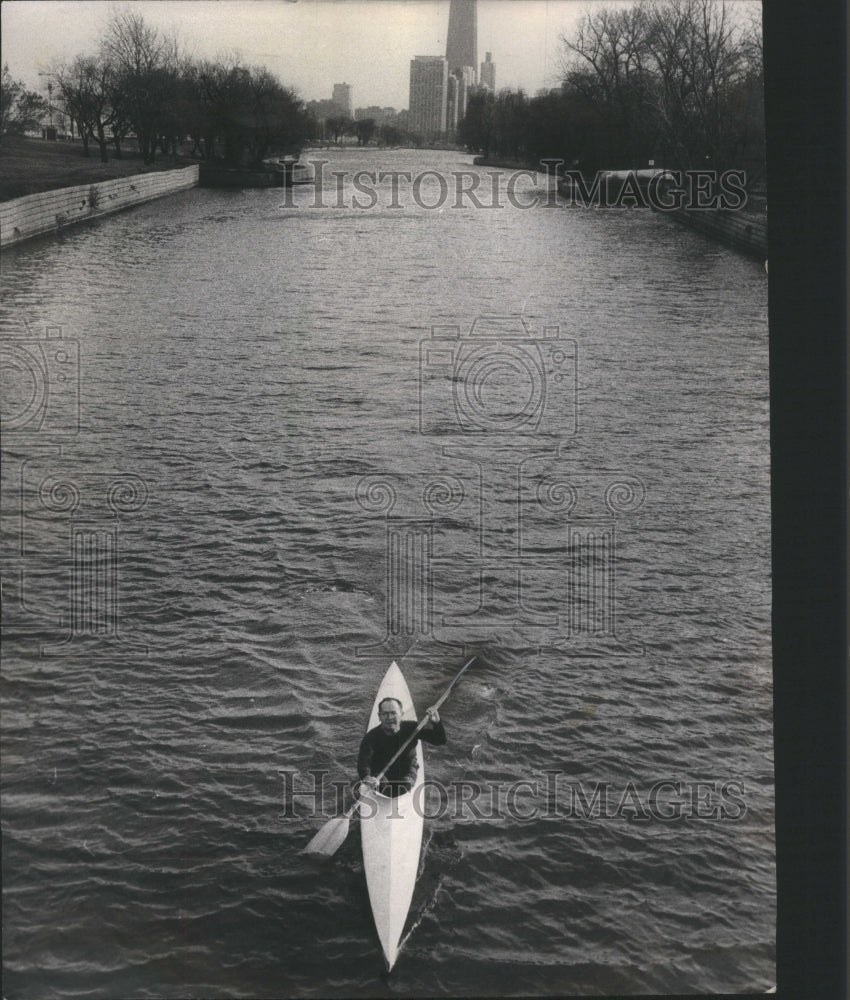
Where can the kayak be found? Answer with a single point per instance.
(391, 834)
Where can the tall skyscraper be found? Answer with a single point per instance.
(342, 98)
(462, 39)
(488, 73)
(428, 95)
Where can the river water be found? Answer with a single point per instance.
(280, 445)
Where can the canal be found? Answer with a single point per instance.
(258, 444)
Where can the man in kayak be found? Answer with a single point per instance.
(382, 743)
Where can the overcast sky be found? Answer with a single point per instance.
(308, 44)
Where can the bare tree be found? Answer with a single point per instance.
(700, 60)
(337, 125)
(364, 129)
(475, 129)
(664, 74)
(20, 109)
(247, 111)
(145, 62)
(86, 89)
(605, 63)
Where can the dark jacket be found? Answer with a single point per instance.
(379, 747)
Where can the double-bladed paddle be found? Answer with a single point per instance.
(332, 835)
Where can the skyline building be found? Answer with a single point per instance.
(462, 37)
(376, 113)
(487, 78)
(428, 95)
(342, 98)
(460, 84)
(440, 87)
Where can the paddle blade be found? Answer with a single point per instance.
(330, 838)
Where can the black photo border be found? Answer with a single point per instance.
(805, 98)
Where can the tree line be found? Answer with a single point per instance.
(138, 83)
(333, 128)
(677, 82)
(21, 110)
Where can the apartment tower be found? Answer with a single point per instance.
(342, 98)
(488, 73)
(428, 96)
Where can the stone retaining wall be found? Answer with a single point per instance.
(50, 211)
(745, 231)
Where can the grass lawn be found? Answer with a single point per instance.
(28, 166)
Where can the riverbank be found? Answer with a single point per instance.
(507, 164)
(51, 211)
(744, 231)
(30, 166)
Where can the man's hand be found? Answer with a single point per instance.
(433, 714)
(368, 785)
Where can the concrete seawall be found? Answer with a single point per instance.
(50, 211)
(745, 231)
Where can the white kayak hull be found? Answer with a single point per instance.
(391, 834)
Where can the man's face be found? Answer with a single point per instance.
(390, 715)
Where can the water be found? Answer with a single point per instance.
(249, 376)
